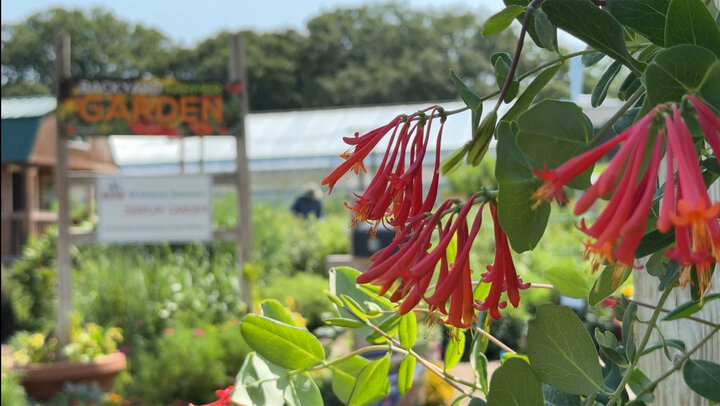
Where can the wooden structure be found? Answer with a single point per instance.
(28, 167)
(65, 177)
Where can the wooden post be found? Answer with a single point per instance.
(243, 253)
(673, 390)
(64, 272)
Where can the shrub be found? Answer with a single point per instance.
(13, 394)
(187, 364)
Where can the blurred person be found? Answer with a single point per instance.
(308, 202)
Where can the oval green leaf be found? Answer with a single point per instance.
(302, 391)
(515, 383)
(372, 383)
(567, 281)
(676, 71)
(501, 20)
(561, 351)
(406, 373)
(606, 284)
(287, 346)
(552, 132)
(345, 374)
(703, 377)
(523, 224)
(407, 330)
(455, 348)
(690, 22)
(272, 309)
(690, 307)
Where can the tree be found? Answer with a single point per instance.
(102, 46)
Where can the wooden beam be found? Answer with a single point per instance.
(62, 71)
(237, 73)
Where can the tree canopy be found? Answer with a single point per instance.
(365, 55)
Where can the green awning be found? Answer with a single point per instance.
(18, 138)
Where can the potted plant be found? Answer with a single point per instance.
(91, 356)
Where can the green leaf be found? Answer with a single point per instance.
(406, 373)
(529, 94)
(606, 284)
(302, 391)
(455, 348)
(471, 99)
(608, 346)
(628, 86)
(345, 374)
(502, 62)
(690, 307)
(272, 309)
(477, 402)
(638, 382)
(355, 308)
(710, 86)
(479, 362)
(343, 322)
(703, 377)
(601, 87)
(628, 335)
(652, 242)
(676, 71)
(589, 60)
(501, 20)
(255, 369)
(342, 282)
(515, 383)
(671, 275)
(389, 326)
(532, 26)
(561, 351)
(690, 22)
(372, 383)
(567, 281)
(595, 26)
(407, 330)
(664, 344)
(554, 397)
(645, 16)
(546, 31)
(523, 224)
(552, 132)
(287, 346)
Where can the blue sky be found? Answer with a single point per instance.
(189, 21)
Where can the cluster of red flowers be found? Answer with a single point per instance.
(395, 197)
(630, 181)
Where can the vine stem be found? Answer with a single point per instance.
(643, 343)
(450, 379)
(677, 364)
(625, 107)
(693, 318)
(518, 50)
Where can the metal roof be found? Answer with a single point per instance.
(31, 106)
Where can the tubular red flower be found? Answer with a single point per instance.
(395, 194)
(501, 274)
(630, 181)
(224, 395)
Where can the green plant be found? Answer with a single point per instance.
(31, 283)
(12, 392)
(187, 364)
(87, 342)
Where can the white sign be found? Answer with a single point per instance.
(156, 208)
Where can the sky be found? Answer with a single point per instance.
(190, 21)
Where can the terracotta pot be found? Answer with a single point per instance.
(43, 381)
